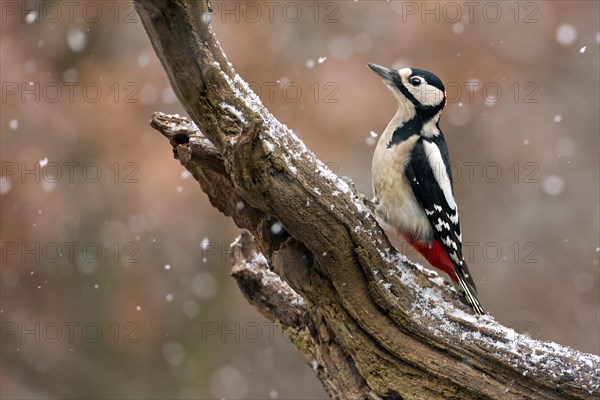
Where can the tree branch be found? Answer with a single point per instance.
(318, 264)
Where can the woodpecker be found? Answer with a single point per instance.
(412, 180)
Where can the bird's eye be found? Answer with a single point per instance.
(416, 80)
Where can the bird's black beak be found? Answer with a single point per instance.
(387, 74)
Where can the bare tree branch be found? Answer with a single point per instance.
(317, 264)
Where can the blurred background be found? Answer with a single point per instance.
(115, 274)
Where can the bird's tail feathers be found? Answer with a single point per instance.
(470, 294)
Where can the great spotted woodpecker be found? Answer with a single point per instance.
(412, 180)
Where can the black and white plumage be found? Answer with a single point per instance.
(412, 180)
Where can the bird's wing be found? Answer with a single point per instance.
(431, 180)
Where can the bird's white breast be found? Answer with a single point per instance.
(397, 205)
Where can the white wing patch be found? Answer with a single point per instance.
(455, 258)
(442, 224)
(453, 217)
(436, 162)
(449, 242)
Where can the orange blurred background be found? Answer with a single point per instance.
(115, 274)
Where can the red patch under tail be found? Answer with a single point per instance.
(435, 254)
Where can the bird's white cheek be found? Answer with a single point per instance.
(429, 95)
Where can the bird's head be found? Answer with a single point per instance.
(423, 89)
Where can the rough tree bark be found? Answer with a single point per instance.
(315, 262)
